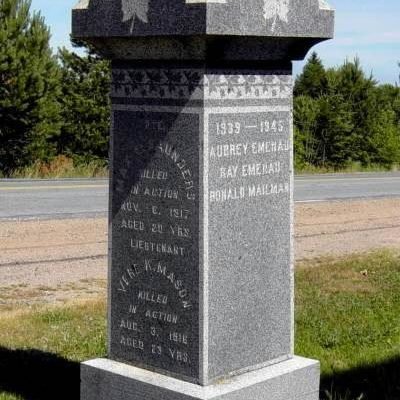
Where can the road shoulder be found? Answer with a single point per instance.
(50, 261)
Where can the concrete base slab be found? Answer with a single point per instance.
(294, 379)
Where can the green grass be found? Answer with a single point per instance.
(75, 331)
(352, 168)
(40, 349)
(347, 316)
(10, 396)
(62, 167)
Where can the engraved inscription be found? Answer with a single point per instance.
(155, 243)
(249, 156)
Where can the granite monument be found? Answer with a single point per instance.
(201, 199)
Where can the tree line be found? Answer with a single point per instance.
(55, 105)
(342, 116)
(50, 104)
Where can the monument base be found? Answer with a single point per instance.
(295, 379)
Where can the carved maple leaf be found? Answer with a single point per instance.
(132, 9)
(276, 10)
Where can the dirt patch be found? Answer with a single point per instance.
(340, 228)
(54, 261)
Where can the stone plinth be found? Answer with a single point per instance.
(295, 379)
(201, 205)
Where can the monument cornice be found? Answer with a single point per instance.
(199, 30)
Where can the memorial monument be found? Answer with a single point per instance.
(201, 197)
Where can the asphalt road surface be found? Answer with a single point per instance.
(30, 199)
(314, 188)
(53, 198)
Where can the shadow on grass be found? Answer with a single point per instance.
(375, 382)
(36, 375)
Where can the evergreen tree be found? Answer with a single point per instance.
(85, 106)
(333, 131)
(29, 84)
(388, 96)
(345, 117)
(385, 138)
(312, 81)
(306, 111)
(358, 91)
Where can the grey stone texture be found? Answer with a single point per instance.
(201, 261)
(201, 203)
(179, 29)
(295, 379)
(282, 18)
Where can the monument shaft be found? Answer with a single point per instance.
(201, 219)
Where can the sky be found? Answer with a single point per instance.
(367, 29)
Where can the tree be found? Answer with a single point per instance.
(373, 114)
(334, 126)
(306, 143)
(388, 96)
(29, 87)
(312, 81)
(85, 106)
(385, 138)
(342, 116)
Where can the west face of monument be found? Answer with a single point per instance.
(155, 233)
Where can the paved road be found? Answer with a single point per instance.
(73, 198)
(53, 199)
(311, 188)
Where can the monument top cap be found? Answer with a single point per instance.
(294, 20)
(274, 18)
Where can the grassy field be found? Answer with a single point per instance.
(61, 167)
(347, 316)
(352, 168)
(40, 349)
(65, 167)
